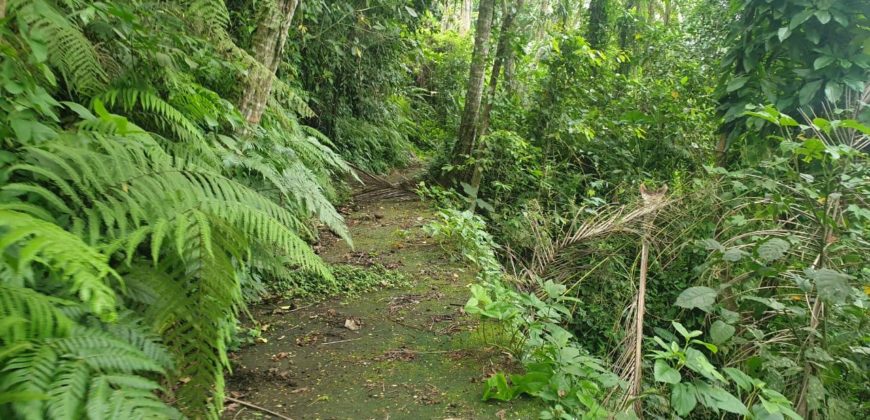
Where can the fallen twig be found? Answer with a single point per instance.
(257, 407)
(341, 341)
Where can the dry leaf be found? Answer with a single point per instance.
(351, 324)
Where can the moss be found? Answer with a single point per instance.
(415, 356)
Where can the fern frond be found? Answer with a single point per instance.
(83, 267)
(68, 49)
(114, 397)
(160, 112)
(38, 315)
(60, 369)
(286, 97)
(311, 196)
(210, 15)
(68, 391)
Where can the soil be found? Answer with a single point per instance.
(406, 353)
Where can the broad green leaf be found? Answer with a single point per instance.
(733, 254)
(696, 361)
(823, 62)
(800, 18)
(729, 316)
(773, 249)
(683, 331)
(855, 125)
(532, 382)
(816, 393)
(725, 401)
(808, 92)
(721, 332)
(498, 388)
(697, 297)
(665, 373)
(23, 129)
(709, 346)
(832, 286)
(824, 16)
(833, 91)
(683, 399)
(736, 83)
(822, 124)
(711, 245)
(742, 380)
(783, 33)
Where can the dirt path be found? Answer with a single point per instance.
(415, 354)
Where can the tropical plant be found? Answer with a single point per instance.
(127, 191)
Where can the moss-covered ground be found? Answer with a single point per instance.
(400, 353)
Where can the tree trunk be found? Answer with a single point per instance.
(465, 17)
(596, 30)
(502, 52)
(267, 48)
(446, 15)
(669, 9)
(510, 74)
(470, 114)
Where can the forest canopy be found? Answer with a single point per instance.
(664, 202)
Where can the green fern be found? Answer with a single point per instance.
(56, 360)
(161, 113)
(68, 49)
(211, 16)
(84, 268)
(161, 211)
(200, 225)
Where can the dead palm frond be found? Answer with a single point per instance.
(378, 188)
(561, 259)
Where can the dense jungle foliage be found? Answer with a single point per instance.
(666, 201)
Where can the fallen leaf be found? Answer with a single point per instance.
(351, 324)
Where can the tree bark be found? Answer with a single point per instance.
(502, 52)
(470, 114)
(267, 48)
(465, 17)
(596, 30)
(669, 10)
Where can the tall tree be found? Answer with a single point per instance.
(465, 17)
(464, 145)
(267, 47)
(502, 54)
(596, 31)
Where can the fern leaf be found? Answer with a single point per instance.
(68, 49)
(84, 267)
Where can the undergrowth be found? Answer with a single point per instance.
(350, 281)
